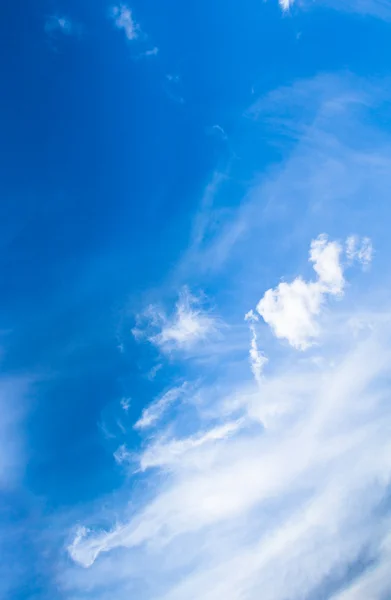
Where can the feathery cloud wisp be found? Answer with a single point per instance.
(123, 19)
(153, 413)
(257, 358)
(360, 250)
(189, 325)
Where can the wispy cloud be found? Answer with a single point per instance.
(359, 250)
(257, 357)
(328, 169)
(151, 52)
(123, 19)
(190, 324)
(125, 403)
(14, 392)
(168, 453)
(60, 24)
(376, 8)
(153, 413)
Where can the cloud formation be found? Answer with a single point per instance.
(294, 501)
(376, 8)
(359, 250)
(257, 358)
(189, 325)
(280, 508)
(286, 4)
(280, 486)
(123, 19)
(291, 308)
(153, 413)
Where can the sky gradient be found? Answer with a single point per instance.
(195, 392)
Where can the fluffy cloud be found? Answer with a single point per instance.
(189, 325)
(123, 19)
(291, 308)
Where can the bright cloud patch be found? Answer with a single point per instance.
(291, 308)
(189, 325)
(123, 19)
(286, 4)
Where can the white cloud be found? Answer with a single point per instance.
(166, 453)
(154, 371)
(360, 250)
(123, 19)
(328, 170)
(257, 358)
(189, 325)
(122, 455)
(291, 308)
(325, 257)
(376, 8)
(375, 581)
(286, 4)
(154, 412)
(125, 403)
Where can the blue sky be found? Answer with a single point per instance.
(195, 323)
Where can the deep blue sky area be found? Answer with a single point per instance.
(110, 134)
